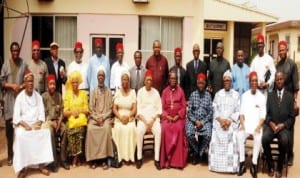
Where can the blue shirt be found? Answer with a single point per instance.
(240, 78)
(92, 72)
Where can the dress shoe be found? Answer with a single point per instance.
(242, 169)
(157, 165)
(53, 167)
(65, 165)
(139, 163)
(278, 174)
(253, 170)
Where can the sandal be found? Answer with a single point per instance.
(44, 171)
(104, 166)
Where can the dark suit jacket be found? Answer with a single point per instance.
(51, 70)
(280, 113)
(191, 75)
(182, 77)
(133, 79)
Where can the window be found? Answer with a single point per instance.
(109, 45)
(61, 29)
(166, 29)
(287, 39)
(210, 46)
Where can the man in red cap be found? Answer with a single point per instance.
(193, 68)
(252, 117)
(179, 69)
(32, 144)
(263, 65)
(12, 74)
(199, 120)
(149, 109)
(56, 66)
(137, 72)
(117, 68)
(79, 65)
(158, 64)
(38, 68)
(98, 59)
(53, 104)
(291, 82)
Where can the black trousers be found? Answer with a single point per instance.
(291, 147)
(9, 132)
(284, 143)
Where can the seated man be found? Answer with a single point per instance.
(199, 123)
(32, 145)
(252, 117)
(53, 104)
(98, 145)
(149, 110)
(279, 119)
(223, 148)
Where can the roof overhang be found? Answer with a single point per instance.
(228, 11)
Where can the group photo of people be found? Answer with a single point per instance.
(97, 112)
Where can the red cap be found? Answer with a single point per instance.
(36, 43)
(252, 74)
(119, 46)
(98, 41)
(50, 77)
(177, 50)
(148, 73)
(78, 45)
(201, 76)
(260, 37)
(284, 43)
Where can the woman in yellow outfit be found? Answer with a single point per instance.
(76, 111)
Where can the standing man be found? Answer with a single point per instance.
(291, 84)
(95, 61)
(12, 74)
(193, 68)
(279, 120)
(117, 68)
(240, 72)
(79, 65)
(56, 66)
(137, 72)
(252, 117)
(198, 126)
(149, 109)
(217, 68)
(38, 68)
(263, 65)
(179, 69)
(158, 64)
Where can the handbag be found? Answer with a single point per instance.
(80, 121)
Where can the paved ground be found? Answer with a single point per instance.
(147, 171)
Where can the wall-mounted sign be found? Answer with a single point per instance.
(215, 25)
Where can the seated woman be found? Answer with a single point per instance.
(174, 148)
(76, 110)
(98, 143)
(124, 130)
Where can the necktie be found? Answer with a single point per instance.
(196, 66)
(279, 96)
(178, 75)
(137, 79)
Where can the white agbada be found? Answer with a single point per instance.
(30, 147)
(115, 75)
(82, 68)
